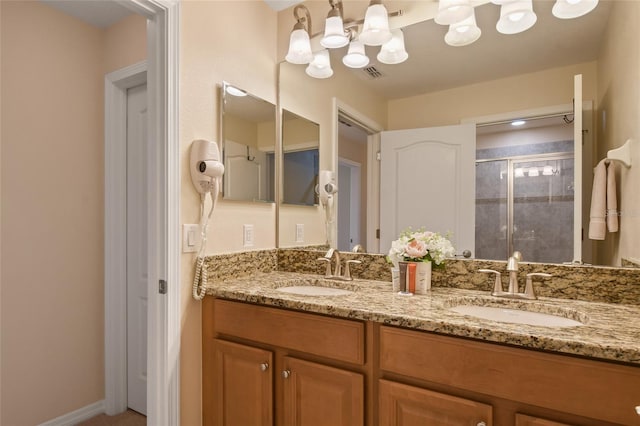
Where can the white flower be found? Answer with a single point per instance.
(421, 246)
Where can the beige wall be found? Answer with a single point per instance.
(618, 119)
(522, 92)
(212, 50)
(52, 210)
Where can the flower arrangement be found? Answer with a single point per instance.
(420, 246)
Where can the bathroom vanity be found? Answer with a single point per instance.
(376, 358)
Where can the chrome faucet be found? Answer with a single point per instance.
(512, 268)
(337, 271)
(513, 290)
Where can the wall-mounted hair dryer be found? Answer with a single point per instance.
(206, 175)
(206, 167)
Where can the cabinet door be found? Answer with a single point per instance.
(315, 394)
(523, 420)
(403, 405)
(243, 385)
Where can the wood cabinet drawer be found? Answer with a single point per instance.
(333, 338)
(599, 390)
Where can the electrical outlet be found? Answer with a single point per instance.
(299, 232)
(247, 235)
(190, 237)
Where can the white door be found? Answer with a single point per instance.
(428, 180)
(137, 280)
(348, 205)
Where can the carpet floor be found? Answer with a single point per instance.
(128, 418)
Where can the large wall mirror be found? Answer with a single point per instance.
(248, 135)
(441, 85)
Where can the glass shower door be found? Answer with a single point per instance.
(492, 234)
(542, 224)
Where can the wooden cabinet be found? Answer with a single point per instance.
(403, 405)
(567, 389)
(268, 366)
(245, 385)
(315, 394)
(272, 366)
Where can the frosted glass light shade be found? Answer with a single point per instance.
(463, 33)
(516, 17)
(569, 9)
(533, 171)
(356, 56)
(320, 67)
(393, 51)
(334, 36)
(299, 48)
(375, 30)
(452, 11)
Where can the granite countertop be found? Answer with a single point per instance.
(610, 331)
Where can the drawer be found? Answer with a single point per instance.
(334, 338)
(600, 390)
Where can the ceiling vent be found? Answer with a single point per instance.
(372, 72)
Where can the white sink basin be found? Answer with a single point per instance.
(314, 290)
(515, 316)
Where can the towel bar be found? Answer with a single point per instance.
(622, 154)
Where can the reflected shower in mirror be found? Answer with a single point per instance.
(300, 165)
(248, 133)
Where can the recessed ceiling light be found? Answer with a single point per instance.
(235, 91)
(518, 122)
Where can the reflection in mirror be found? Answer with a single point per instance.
(247, 132)
(531, 77)
(300, 165)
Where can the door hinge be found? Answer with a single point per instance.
(378, 156)
(377, 233)
(162, 287)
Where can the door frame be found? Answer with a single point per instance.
(163, 318)
(373, 166)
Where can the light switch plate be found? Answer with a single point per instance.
(190, 237)
(247, 235)
(299, 232)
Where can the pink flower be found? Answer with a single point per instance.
(416, 249)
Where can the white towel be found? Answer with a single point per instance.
(604, 204)
(612, 200)
(597, 224)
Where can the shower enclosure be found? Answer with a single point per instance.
(525, 203)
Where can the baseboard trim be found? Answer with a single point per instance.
(77, 416)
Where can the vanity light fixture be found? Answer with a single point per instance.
(464, 32)
(320, 67)
(516, 17)
(334, 34)
(393, 51)
(569, 9)
(299, 41)
(518, 172)
(338, 33)
(452, 11)
(533, 172)
(375, 31)
(356, 56)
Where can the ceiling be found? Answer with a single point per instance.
(99, 13)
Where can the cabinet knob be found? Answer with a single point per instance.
(286, 374)
(638, 409)
(264, 366)
(481, 424)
